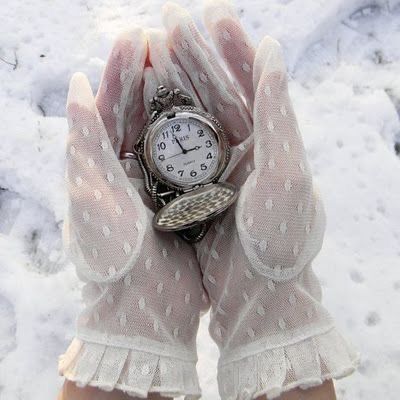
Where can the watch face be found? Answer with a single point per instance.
(185, 150)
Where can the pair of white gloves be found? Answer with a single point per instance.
(146, 290)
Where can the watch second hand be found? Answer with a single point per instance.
(177, 154)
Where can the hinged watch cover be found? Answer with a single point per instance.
(195, 207)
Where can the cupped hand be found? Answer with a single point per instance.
(266, 315)
(143, 294)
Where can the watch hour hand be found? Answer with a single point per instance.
(194, 148)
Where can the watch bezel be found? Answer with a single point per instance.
(187, 112)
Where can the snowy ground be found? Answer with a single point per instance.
(344, 58)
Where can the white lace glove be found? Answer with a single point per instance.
(266, 316)
(143, 292)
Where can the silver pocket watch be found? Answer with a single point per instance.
(183, 152)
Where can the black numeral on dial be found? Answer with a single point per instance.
(200, 132)
(203, 167)
(175, 128)
(208, 143)
(161, 146)
(193, 173)
(180, 172)
(209, 156)
(170, 168)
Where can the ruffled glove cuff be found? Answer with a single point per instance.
(127, 365)
(250, 372)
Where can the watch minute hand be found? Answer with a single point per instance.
(179, 143)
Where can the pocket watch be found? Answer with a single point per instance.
(183, 151)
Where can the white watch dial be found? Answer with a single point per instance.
(185, 151)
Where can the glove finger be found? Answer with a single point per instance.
(211, 82)
(166, 65)
(277, 140)
(136, 116)
(281, 185)
(105, 212)
(119, 97)
(232, 43)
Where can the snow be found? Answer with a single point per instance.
(344, 61)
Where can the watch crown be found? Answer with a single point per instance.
(166, 98)
(162, 100)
